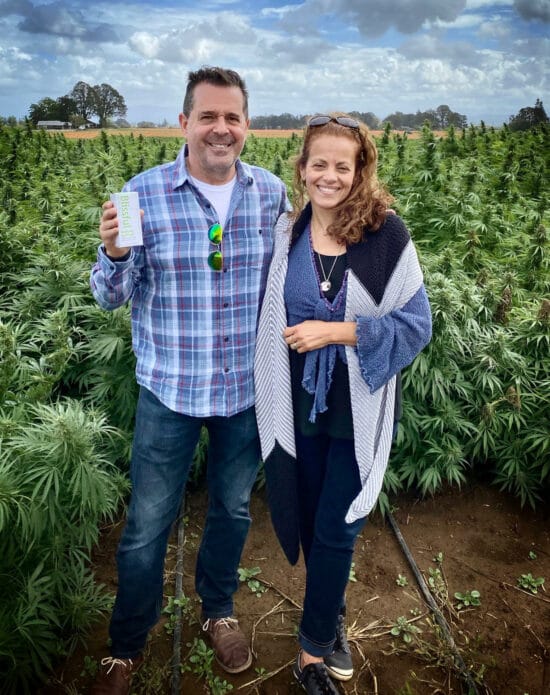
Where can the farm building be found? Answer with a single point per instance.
(53, 125)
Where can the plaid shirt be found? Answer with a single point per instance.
(194, 329)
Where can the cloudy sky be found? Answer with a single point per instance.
(482, 58)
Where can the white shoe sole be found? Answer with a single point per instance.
(339, 675)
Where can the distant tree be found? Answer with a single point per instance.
(66, 108)
(528, 117)
(284, 121)
(107, 103)
(369, 119)
(47, 109)
(10, 121)
(440, 119)
(146, 124)
(80, 104)
(83, 96)
(398, 119)
(77, 120)
(446, 118)
(122, 123)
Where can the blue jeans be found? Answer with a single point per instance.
(162, 454)
(328, 482)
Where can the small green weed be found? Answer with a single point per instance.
(200, 660)
(352, 577)
(90, 667)
(437, 583)
(530, 583)
(404, 629)
(401, 580)
(255, 585)
(468, 599)
(170, 610)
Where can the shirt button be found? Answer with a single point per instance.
(226, 369)
(225, 305)
(226, 339)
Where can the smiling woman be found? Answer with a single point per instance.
(332, 340)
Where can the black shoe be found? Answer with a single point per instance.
(314, 678)
(339, 663)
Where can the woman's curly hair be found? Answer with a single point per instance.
(367, 203)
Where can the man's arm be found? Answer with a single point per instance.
(113, 278)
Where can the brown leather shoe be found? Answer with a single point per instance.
(115, 676)
(230, 645)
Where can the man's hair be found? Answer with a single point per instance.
(220, 77)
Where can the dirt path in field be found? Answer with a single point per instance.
(477, 538)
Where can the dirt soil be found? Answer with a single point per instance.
(477, 538)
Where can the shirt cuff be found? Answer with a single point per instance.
(119, 259)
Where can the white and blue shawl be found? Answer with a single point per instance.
(386, 297)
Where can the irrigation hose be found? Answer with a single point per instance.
(440, 619)
(178, 593)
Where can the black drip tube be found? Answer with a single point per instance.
(440, 619)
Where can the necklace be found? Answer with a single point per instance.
(326, 284)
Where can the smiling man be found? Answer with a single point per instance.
(195, 288)
(215, 125)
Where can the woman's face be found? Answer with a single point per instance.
(330, 170)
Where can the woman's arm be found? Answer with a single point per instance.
(388, 344)
(312, 335)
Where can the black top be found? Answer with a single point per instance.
(336, 421)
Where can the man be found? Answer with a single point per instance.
(195, 287)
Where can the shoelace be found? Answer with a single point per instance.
(226, 622)
(112, 662)
(341, 637)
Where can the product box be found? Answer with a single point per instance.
(129, 219)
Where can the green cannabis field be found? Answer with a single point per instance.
(476, 401)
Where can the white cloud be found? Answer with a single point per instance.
(318, 55)
(195, 41)
(494, 28)
(371, 17)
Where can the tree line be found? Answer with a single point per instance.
(104, 102)
(440, 118)
(80, 104)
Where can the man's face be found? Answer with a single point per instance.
(215, 132)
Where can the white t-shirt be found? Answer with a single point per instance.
(219, 196)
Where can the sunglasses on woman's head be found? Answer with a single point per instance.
(341, 120)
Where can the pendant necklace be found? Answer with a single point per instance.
(326, 284)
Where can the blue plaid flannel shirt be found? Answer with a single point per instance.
(194, 329)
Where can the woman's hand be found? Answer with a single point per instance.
(313, 335)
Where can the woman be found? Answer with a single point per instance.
(345, 310)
